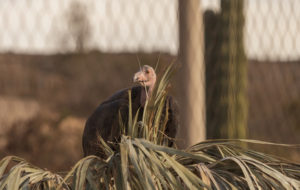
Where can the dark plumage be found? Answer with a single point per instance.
(105, 119)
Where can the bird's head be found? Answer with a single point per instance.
(145, 77)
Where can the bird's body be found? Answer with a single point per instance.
(105, 121)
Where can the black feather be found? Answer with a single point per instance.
(105, 120)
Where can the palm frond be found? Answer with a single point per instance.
(26, 176)
(141, 163)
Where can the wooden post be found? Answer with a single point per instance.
(191, 74)
(227, 109)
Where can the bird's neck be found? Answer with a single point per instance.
(146, 93)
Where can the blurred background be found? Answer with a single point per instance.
(60, 59)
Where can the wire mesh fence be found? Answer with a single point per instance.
(55, 52)
(271, 88)
(271, 27)
(53, 26)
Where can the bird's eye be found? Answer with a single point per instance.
(147, 71)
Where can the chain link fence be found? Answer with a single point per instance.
(271, 27)
(51, 50)
(55, 26)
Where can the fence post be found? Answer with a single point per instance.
(226, 72)
(192, 80)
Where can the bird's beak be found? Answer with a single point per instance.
(137, 77)
(140, 78)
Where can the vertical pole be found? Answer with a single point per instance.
(192, 81)
(227, 109)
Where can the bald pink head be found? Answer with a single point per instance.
(146, 77)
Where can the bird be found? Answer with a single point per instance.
(104, 121)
